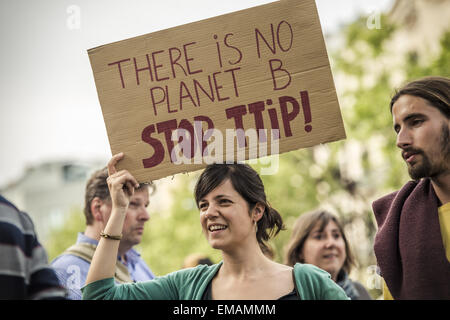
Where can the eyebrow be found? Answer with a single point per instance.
(409, 117)
(413, 115)
(217, 197)
(137, 200)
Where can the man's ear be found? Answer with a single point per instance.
(96, 205)
(258, 211)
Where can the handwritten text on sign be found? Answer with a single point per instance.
(263, 68)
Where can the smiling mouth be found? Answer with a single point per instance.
(216, 227)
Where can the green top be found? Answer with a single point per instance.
(311, 282)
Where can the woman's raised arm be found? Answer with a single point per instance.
(121, 186)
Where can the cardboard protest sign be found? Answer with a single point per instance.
(172, 99)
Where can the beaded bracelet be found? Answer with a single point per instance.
(108, 236)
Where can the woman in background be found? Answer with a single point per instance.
(318, 238)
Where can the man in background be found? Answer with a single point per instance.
(24, 269)
(72, 266)
(412, 245)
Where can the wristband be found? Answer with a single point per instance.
(108, 236)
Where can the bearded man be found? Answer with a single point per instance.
(412, 244)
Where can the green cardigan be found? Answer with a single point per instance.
(311, 282)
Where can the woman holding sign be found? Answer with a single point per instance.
(236, 219)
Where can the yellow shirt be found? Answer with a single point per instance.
(444, 222)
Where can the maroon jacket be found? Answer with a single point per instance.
(408, 244)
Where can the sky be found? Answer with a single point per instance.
(49, 108)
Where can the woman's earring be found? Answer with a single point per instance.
(256, 226)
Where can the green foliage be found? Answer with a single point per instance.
(63, 237)
(359, 31)
(440, 66)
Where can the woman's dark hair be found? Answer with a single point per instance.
(248, 184)
(301, 230)
(435, 90)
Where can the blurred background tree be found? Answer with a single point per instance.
(63, 237)
(343, 177)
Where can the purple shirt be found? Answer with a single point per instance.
(72, 270)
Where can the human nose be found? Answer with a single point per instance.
(210, 212)
(143, 214)
(404, 138)
(330, 242)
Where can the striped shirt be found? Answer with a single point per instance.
(24, 269)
